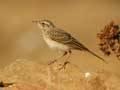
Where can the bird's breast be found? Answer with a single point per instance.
(55, 45)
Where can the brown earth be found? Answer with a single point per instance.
(31, 75)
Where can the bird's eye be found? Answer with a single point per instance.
(43, 23)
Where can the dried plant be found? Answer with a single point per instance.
(109, 40)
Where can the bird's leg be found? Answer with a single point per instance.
(65, 53)
(66, 61)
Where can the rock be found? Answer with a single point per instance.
(31, 75)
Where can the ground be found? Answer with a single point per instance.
(31, 75)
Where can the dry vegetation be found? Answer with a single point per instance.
(110, 39)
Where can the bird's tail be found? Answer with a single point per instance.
(80, 46)
(96, 56)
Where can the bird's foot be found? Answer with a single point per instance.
(64, 65)
(52, 62)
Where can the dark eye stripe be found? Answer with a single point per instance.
(45, 24)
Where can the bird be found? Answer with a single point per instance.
(59, 39)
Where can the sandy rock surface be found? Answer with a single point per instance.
(30, 75)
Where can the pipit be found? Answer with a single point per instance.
(59, 39)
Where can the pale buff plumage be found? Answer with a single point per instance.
(59, 39)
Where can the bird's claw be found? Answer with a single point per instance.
(64, 65)
(52, 62)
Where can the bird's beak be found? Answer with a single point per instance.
(38, 23)
(35, 21)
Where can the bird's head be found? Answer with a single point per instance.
(44, 24)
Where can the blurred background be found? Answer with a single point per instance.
(21, 39)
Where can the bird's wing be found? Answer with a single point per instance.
(63, 37)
